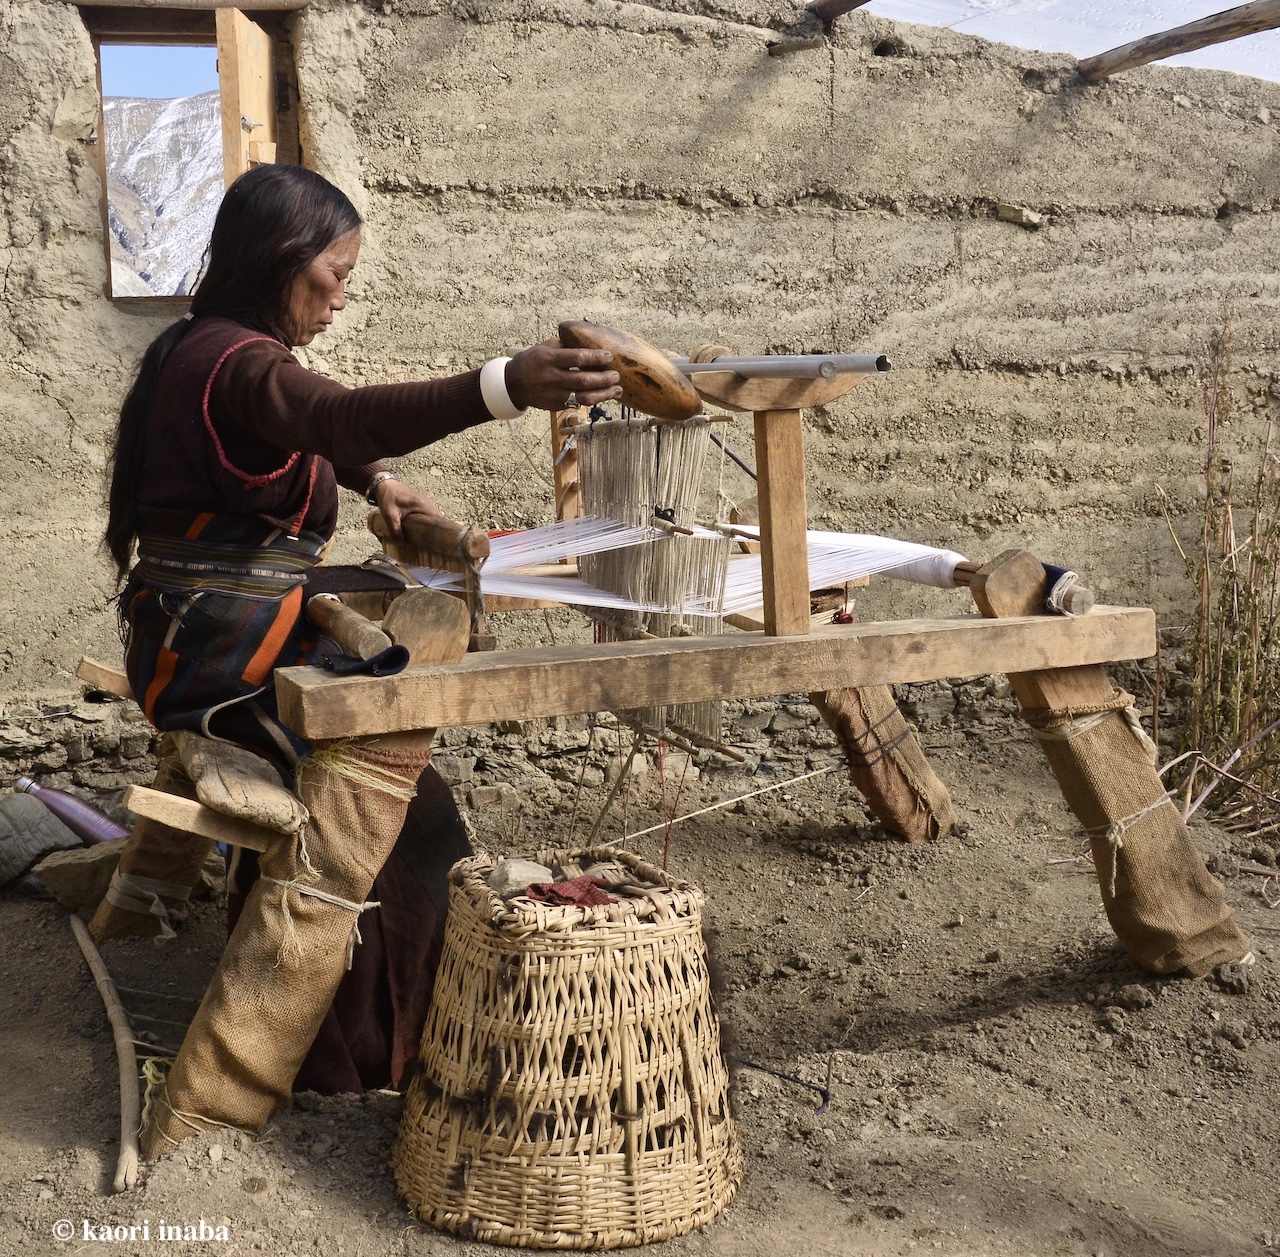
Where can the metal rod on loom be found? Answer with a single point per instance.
(791, 366)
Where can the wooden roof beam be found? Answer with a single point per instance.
(1245, 19)
(829, 10)
(253, 8)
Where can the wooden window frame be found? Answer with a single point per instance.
(246, 87)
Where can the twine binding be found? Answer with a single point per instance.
(132, 893)
(314, 892)
(1068, 723)
(336, 758)
(1114, 832)
(154, 1074)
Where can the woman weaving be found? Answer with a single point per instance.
(227, 461)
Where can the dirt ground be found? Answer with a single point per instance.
(1004, 1081)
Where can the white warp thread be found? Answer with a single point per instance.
(937, 569)
(833, 559)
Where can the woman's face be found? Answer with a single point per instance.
(320, 290)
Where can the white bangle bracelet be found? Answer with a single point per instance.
(370, 494)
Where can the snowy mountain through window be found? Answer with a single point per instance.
(164, 173)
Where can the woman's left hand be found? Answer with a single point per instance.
(397, 499)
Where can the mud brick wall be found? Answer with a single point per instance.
(519, 162)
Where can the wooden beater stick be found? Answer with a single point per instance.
(130, 1102)
(355, 634)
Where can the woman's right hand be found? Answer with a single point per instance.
(547, 374)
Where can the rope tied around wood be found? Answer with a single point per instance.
(1067, 724)
(1114, 833)
(133, 893)
(155, 1074)
(354, 939)
(338, 758)
(869, 752)
(1064, 724)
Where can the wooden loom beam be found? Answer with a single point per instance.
(1218, 28)
(564, 465)
(570, 680)
(784, 549)
(829, 10)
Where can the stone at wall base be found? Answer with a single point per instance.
(78, 879)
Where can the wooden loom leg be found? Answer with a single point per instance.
(1169, 913)
(784, 550)
(887, 764)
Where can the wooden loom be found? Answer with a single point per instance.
(1013, 635)
(1051, 659)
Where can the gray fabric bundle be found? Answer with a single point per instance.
(28, 833)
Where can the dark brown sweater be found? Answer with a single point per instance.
(237, 420)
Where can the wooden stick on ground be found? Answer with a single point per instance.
(130, 1103)
(104, 677)
(1245, 19)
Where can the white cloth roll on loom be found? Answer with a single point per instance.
(937, 569)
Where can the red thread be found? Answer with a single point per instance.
(296, 527)
(250, 482)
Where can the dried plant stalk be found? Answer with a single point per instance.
(1233, 716)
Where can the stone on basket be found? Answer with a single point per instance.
(572, 1091)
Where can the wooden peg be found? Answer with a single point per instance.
(1013, 583)
(102, 676)
(1016, 583)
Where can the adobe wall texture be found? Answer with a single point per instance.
(650, 166)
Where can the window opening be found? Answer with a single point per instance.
(162, 135)
(191, 98)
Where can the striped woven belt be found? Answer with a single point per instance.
(180, 565)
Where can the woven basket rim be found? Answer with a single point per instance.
(469, 877)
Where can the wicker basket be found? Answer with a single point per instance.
(572, 1091)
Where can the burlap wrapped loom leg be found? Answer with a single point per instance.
(1166, 909)
(289, 950)
(157, 870)
(886, 763)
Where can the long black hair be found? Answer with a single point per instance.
(274, 221)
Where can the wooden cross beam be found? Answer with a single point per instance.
(1245, 19)
(571, 680)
